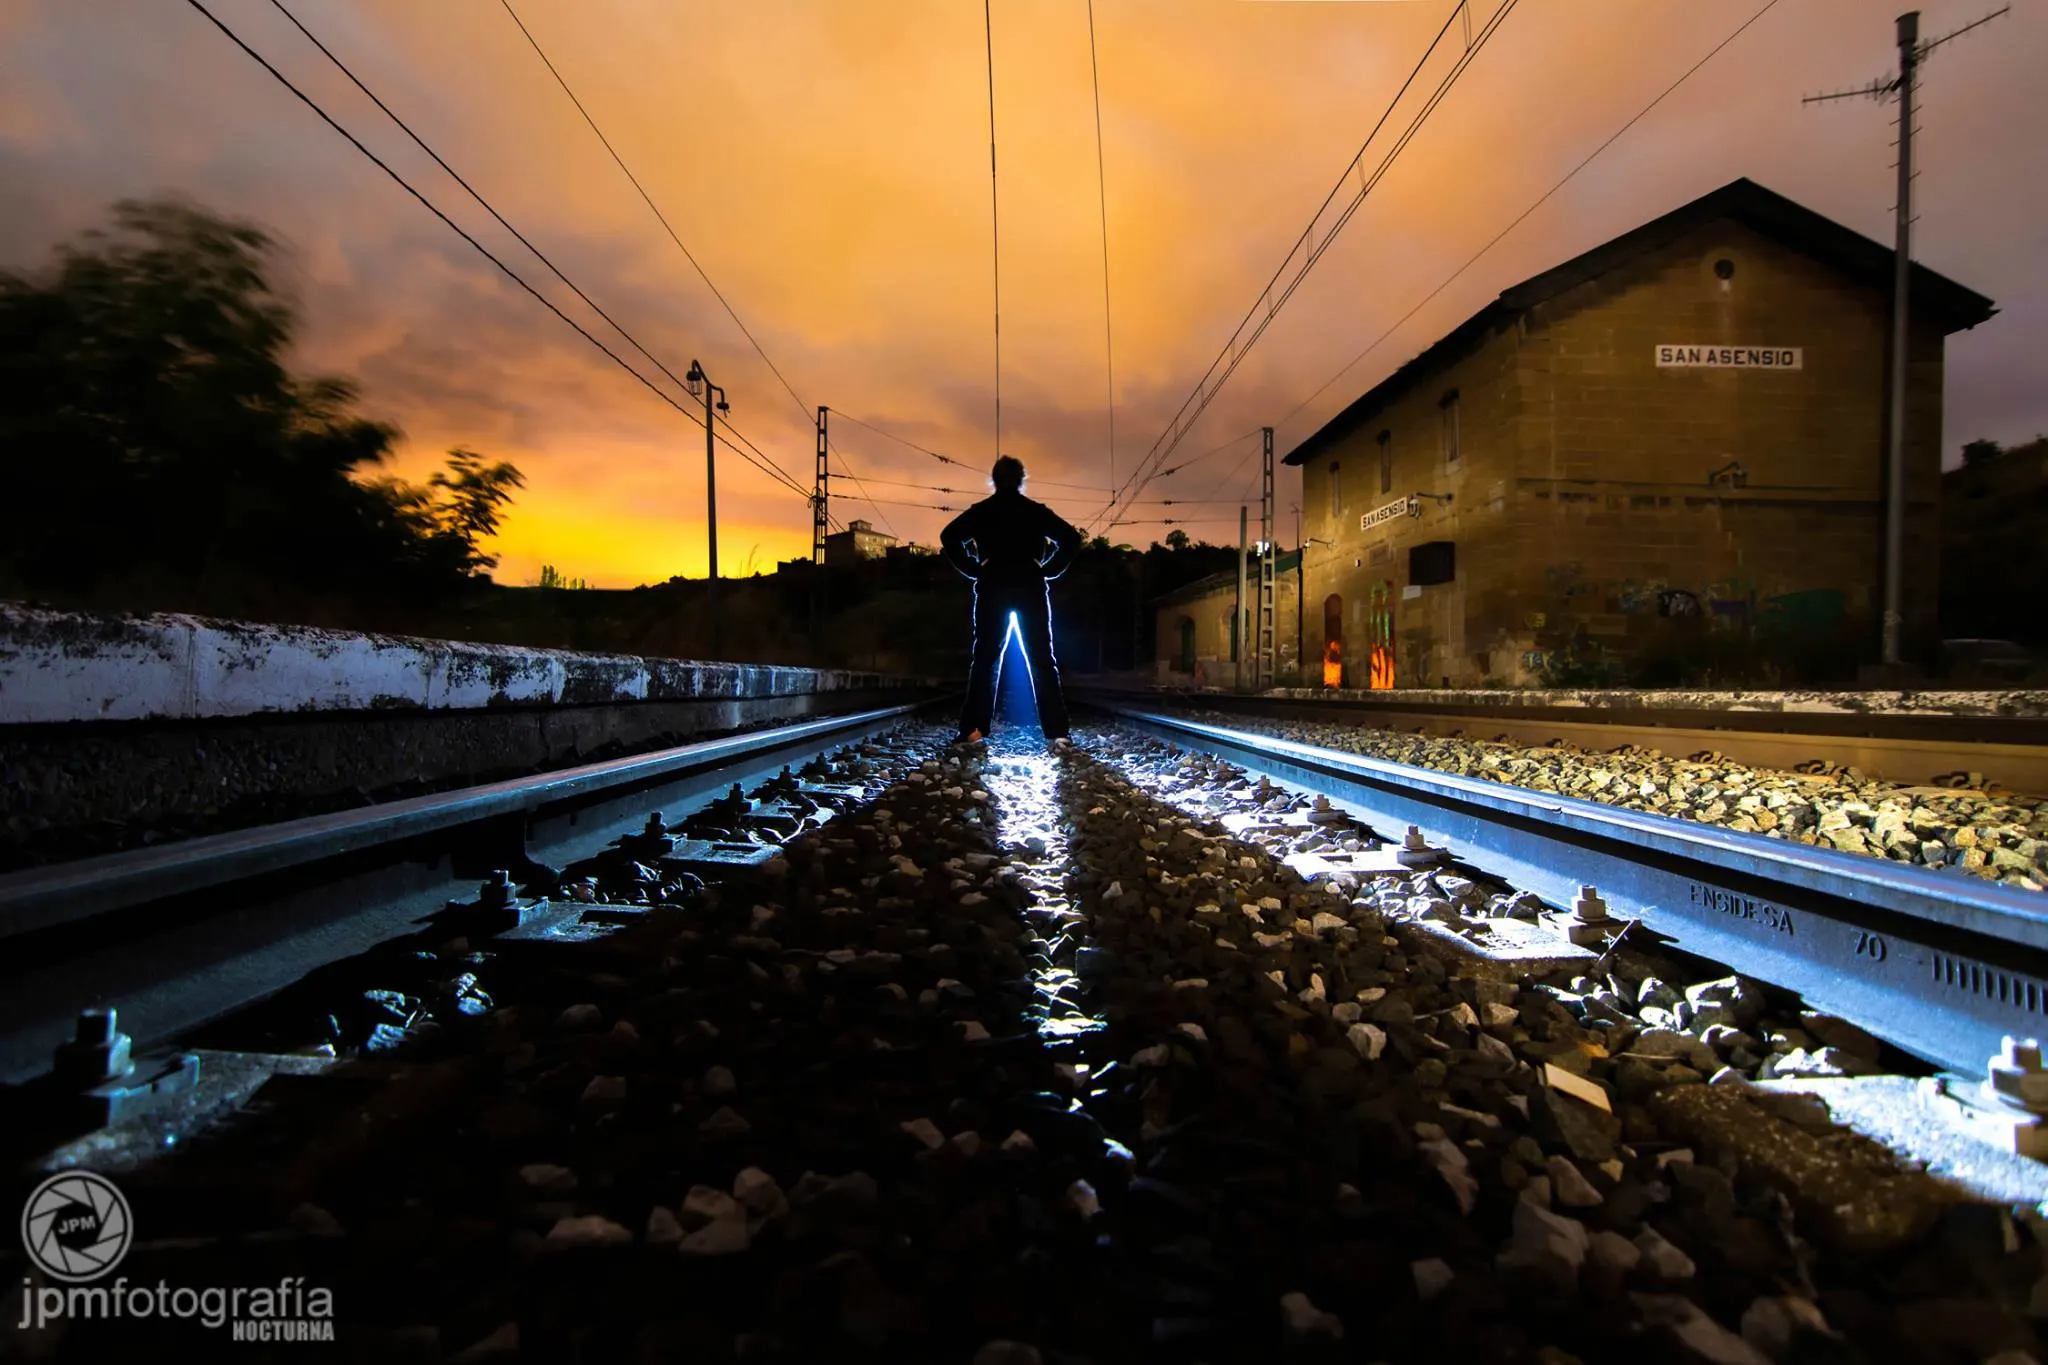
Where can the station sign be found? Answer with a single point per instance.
(1410, 505)
(1678, 355)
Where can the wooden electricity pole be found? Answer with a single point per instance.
(1903, 86)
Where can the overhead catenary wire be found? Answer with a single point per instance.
(480, 248)
(697, 265)
(654, 208)
(995, 216)
(1309, 249)
(472, 191)
(1102, 205)
(491, 209)
(1519, 218)
(847, 470)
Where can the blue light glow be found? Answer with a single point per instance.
(1027, 703)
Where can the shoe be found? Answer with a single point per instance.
(1062, 745)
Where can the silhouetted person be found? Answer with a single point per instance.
(1012, 548)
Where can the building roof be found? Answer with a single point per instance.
(1202, 587)
(1744, 201)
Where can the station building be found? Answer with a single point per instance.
(1198, 642)
(1687, 422)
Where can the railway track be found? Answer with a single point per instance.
(175, 936)
(1941, 966)
(1006, 1048)
(1907, 746)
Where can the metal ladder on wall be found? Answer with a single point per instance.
(1268, 568)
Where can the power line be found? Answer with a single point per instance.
(1539, 203)
(456, 176)
(659, 216)
(1102, 202)
(1185, 465)
(430, 206)
(1314, 251)
(847, 470)
(995, 217)
(900, 440)
(1308, 249)
(1213, 450)
(489, 208)
(930, 506)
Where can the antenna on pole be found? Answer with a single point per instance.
(1912, 52)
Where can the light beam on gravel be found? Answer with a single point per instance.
(1024, 785)
(1017, 705)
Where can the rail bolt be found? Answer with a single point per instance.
(1415, 850)
(496, 891)
(2017, 1078)
(99, 1052)
(655, 829)
(1589, 919)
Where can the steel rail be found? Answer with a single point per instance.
(1907, 747)
(40, 897)
(179, 935)
(1940, 964)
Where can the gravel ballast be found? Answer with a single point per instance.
(1050, 1058)
(1999, 837)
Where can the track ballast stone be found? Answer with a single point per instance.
(1018, 1062)
(2000, 838)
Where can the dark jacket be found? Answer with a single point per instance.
(1012, 539)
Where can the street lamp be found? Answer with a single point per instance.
(702, 387)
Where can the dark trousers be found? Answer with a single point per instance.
(993, 604)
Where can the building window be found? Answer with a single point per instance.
(1386, 439)
(1447, 411)
(1432, 563)
(1336, 493)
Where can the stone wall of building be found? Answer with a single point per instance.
(1603, 505)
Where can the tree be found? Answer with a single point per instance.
(1177, 539)
(1976, 452)
(474, 492)
(151, 432)
(551, 577)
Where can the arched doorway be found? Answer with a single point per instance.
(1333, 641)
(1187, 644)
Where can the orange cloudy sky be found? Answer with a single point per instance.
(826, 162)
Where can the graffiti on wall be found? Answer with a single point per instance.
(1379, 635)
(1677, 602)
(1819, 611)
(1731, 605)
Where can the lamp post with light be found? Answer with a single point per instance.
(702, 387)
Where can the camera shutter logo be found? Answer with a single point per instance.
(77, 1226)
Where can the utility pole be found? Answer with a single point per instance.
(701, 386)
(819, 492)
(1300, 596)
(1237, 630)
(820, 523)
(1268, 599)
(1903, 85)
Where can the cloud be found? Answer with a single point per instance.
(827, 166)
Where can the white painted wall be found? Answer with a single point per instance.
(67, 666)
